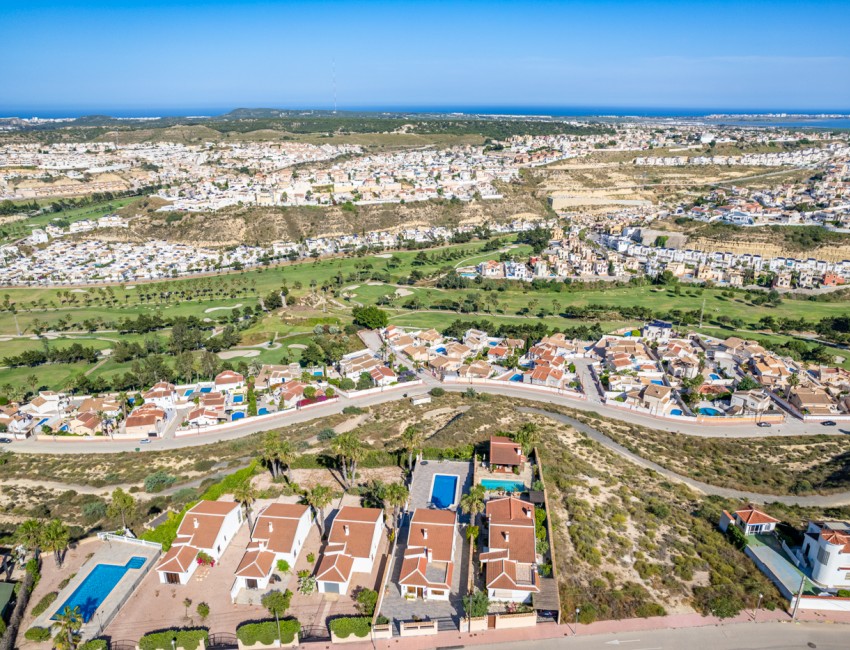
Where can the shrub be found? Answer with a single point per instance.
(843, 593)
(37, 634)
(203, 610)
(94, 644)
(283, 566)
(359, 626)
(188, 639)
(367, 599)
(42, 605)
(66, 581)
(476, 604)
(311, 557)
(437, 391)
(265, 632)
(158, 481)
(326, 434)
(352, 410)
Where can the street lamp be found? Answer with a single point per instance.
(575, 631)
(758, 607)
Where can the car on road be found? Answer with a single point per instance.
(764, 425)
(828, 423)
(145, 441)
(5, 441)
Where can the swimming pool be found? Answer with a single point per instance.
(517, 377)
(188, 392)
(444, 490)
(237, 416)
(237, 399)
(705, 410)
(42, 421)
(262, 411)
(657, 382)
(206, 389)
(492, 485)
(98, 584)
(440, 350)
(714, 377)
(676, 412)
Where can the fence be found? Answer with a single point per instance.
(217, 428)
(726, 420)
(112, 537)
(472, 381)
(354, 394)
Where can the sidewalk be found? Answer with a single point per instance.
(553, 631)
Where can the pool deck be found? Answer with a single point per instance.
(482, 473)
(423, 478)
(109, 552)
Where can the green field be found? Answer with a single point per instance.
(17, 229)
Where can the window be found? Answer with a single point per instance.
(823, 556)
(437, 592)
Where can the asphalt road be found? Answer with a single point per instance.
(750, 636)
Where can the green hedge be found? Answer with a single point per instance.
(42, 605)
(38, 634)
(187, 639)
(266, 632)
(94, 644)
(166, 532)
(359, 626)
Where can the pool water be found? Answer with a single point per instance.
(237, 416)
(206, 389)
(517, 377)
(492, 485)
(42, 421)
(676, 412)
(714, 377)
(237, 399)
(443, 490)
(98, 584)
(262, 411)
(657, 382)
(440, 350)
(188, 392)
(710, 411)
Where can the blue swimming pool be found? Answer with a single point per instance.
(517, 377)
(676, 412)
(440, 350)
(318, 373)
(657, 382)
(262, 411)
(493, 485)
(237, 416)
(42, 421)
(206, 389)
(444, 490)
(705, 410)
(98, 584)
(188, 392)
(714, 377)
(237, 399)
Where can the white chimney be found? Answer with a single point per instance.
(424, 533)
(271, 527)
(195, 522)
(507, 536)
(528, 513)
(345, 529)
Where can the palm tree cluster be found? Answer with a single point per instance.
(277, 454)
(349, 450)
(35, 536)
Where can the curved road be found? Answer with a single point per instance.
(59, 446)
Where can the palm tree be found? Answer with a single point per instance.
(68, 625)
(395, 495)
(412, 439)
(319, 498)
(55, 538)
(245, 493)
(271, 452)
(472, 503)
(29, 535)
(285, 456)
(349, 449)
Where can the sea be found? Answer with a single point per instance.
(784, 118)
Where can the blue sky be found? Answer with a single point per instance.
(131, 56)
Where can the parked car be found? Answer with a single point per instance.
(145, 441)
(764, 425)
(5, 441)
(828, 423)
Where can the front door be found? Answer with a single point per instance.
(172, 578)
(420, 592)
(250, 583)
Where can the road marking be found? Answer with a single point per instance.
(618, 641)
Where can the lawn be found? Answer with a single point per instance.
(17, 229)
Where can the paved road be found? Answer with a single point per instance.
(748, 636)
(830, 500)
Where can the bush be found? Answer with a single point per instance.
(367, 599)
(326, 434)
(437, 391)
(283, 566)
(476, 604)
(188, 639)
(42, 605)
(158, 481)
(843, 593)
(359, 626)
(94, 644)
(353, 410)
(37, 634)
(265, 632)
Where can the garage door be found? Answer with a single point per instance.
(331, 587)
